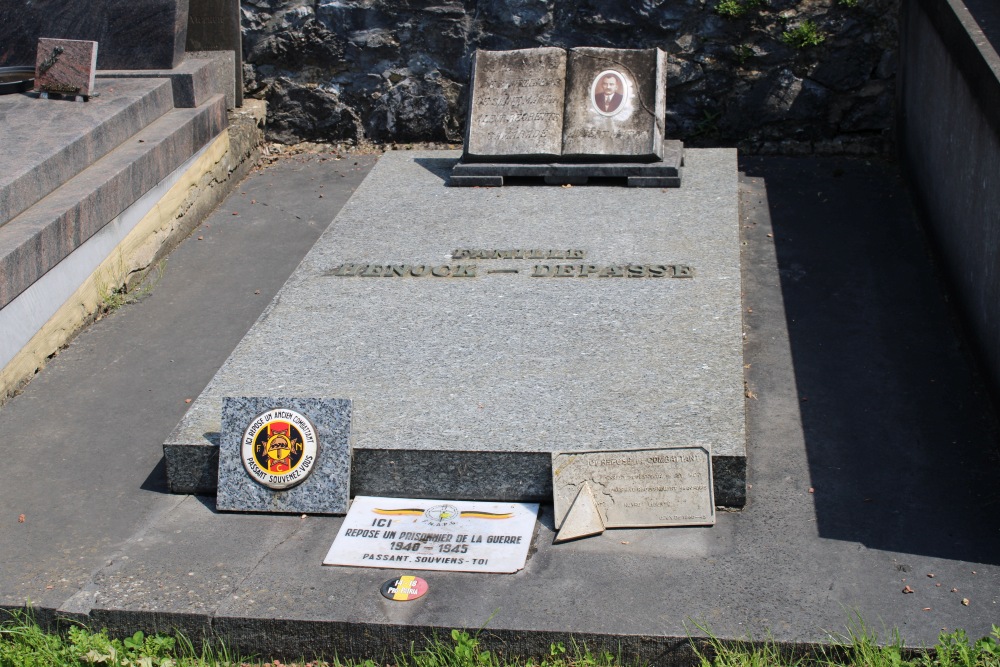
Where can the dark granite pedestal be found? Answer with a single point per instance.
(661, 174)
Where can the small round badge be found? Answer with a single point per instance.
(404, 588)
(279, 448)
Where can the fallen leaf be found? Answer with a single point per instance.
(965, 601)
(927, 608)
(954, 590)
(930, 574)
(20, 518)
(938, 585)
(812, 490)
(235, 213)
(49, 588)
(626, 543)
(256, 291)
(201, 238)
(907, 589)
(187, 400)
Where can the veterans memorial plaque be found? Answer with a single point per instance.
(285, 455)
(65, 66)
(454, 535)
(637, 488)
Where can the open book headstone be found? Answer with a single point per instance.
(568, 116)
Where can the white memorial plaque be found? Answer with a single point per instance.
(454, 535)
(638, 488)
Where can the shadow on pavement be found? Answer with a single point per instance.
(899, 431)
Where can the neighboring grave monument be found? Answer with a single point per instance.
(214, 25)
(133, 34)
(569, 116)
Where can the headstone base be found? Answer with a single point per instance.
(663, 174)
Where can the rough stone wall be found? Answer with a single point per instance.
(741, 72)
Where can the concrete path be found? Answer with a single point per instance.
(872, 451)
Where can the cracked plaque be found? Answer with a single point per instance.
(638, 488)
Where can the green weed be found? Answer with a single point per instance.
(805, 34)
(114, 289)
(734, 9)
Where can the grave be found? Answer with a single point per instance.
(476, 331)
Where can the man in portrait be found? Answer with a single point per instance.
(608, 94)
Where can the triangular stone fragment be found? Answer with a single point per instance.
(583, 518)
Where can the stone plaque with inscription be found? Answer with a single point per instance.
(638, 488)
(569, 116)
(517, 97)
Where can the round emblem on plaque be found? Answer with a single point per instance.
(404, 588)
(279, 448)
(441, 515)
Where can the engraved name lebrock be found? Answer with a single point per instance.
(538, 270)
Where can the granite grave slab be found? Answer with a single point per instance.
(132, 34)
(65, 66)
(477, 331)
(285, 454)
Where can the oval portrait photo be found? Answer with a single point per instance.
(609, 92)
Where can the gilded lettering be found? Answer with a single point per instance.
(397, 270)
(565, 270)
(683, 271)
(611, 272)
(637, 271)
(542, 271)
(464, 271)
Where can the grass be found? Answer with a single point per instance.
(114, 289)
(24, 644)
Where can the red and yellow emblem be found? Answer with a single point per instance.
(279, 448)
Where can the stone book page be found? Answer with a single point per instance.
(615, 105)
(516, 110)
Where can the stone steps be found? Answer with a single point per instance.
(39, 238)
(45, 143)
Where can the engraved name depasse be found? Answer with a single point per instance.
(538, 271)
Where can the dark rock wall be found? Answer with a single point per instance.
(741, 72)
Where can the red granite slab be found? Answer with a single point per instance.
(65, 66)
